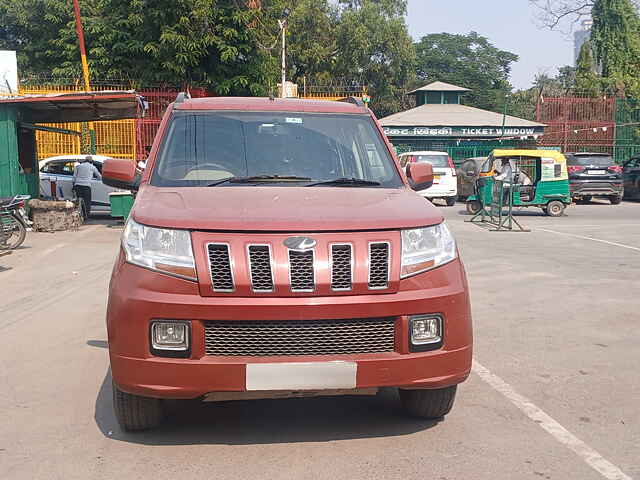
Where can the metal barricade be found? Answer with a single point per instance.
(499, 213)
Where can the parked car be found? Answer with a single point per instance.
(631, 178)
(60, 170)
(445, 184)
(276, 249)
(468, 172)
(594, 175)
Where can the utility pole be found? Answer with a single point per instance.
(85, 70)
(282, 23)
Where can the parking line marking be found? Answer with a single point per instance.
(590, 238)
(596, 461)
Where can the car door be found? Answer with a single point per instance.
(60, 173)
(631, 177)
(65, 179)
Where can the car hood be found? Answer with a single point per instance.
(278, 209)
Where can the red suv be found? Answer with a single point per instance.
(277, 249)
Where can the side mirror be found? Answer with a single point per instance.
(420, 175)
(120, 173)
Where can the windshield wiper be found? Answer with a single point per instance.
(261, 178)
(346, 182)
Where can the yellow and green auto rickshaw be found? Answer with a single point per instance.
(541, 176)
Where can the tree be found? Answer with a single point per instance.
(587, 81)
(160, 42)
(469, 61)
(616, 40)
(374, 47)
(553, 13)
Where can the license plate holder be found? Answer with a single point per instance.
(301, 376)
(597, 172)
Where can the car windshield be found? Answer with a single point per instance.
(590, 160)
(283, 148)
(435, 160)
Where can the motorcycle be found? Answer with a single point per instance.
(13, 229)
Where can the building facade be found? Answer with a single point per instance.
(440, 122)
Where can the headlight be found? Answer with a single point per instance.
(426, 248)
(162, 249)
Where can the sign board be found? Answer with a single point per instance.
(8, 73)
(470, 132)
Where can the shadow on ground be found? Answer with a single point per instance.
(192, 422)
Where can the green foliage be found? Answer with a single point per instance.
(586, 80)
(615, 38)
(469, 61)
(160, 42)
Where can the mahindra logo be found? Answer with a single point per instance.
(299, 244)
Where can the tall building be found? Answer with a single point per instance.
(581, 36)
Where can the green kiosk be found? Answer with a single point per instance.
(22, 116)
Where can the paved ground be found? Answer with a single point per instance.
(554, 395)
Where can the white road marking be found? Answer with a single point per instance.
(52, 249)
(615, 244)
(591, 457)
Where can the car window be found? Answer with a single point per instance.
(59, 167)
(633, 163)
(203, 147)
(588, 160)
(435, 160)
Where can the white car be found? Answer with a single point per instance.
(445, 183)
(60, 171)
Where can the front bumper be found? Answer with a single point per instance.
(138, 296)
(595, 187)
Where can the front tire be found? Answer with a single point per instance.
(615, 199)
(429, 404)
(451, 201)
(555, 208)
(15, 232)
(134, 412)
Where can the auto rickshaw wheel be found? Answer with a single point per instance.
(473, 207)
(554, 208)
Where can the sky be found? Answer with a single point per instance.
(509, 24)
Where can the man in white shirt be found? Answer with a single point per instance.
(84, 172)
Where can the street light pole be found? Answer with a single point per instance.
(282, 23)
(283, 66)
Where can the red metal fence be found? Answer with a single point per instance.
(578, 124)
(157, 102)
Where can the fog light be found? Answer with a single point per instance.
(172, 336)
(425, 329)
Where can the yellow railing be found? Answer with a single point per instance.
(115, 138)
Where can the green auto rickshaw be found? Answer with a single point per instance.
(541, 176)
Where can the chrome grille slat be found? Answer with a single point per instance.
(296, 337)
(379, 265)
(260, 268)
(301, 271)
(220, 267)
(341, 267)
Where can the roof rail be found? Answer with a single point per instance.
(181, 97)
(354, 100)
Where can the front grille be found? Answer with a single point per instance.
(297, 337)
(378, 265)
(260, 268)
(220, 264)
(341, 267)
(301, 271)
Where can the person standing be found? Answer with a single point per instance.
(84, 172)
